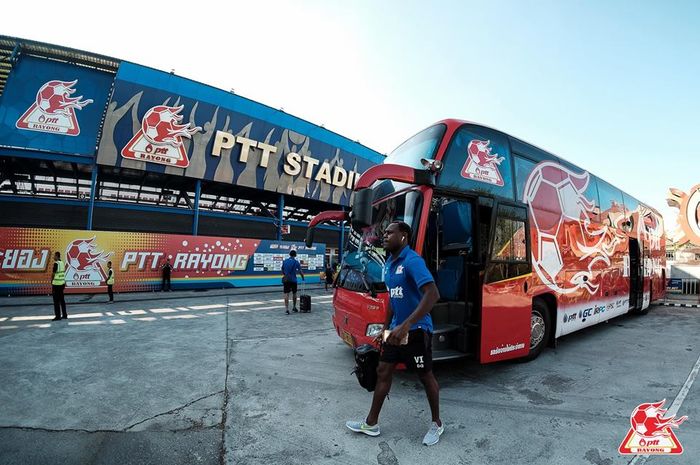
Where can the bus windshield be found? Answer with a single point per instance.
(422, 145)
(363, 264)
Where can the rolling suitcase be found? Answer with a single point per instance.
(304, 300)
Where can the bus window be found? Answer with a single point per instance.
(523, 168)
(422, 145)
(478, 159)
(509, 251)
(612, 210)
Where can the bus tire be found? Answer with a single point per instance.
(540, 329)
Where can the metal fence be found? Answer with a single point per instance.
(690, 286)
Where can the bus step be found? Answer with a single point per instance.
(448, 354)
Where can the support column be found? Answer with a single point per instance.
(342, 239)
(93, 194)
(195, 221)
(280, 216)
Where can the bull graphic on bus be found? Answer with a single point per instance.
(160, 138)
(53, 110)
(562, 214)
(481, 165)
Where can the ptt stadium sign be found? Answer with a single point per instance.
(163, 123)
(295, 164)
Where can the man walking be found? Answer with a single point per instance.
(412, 293)
(58, 285)
(110, 282)
(167, 268)
(290, 268)
(329, 275)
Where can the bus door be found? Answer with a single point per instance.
(636, 275)
(505, 305)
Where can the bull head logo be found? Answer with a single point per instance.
(562, 214)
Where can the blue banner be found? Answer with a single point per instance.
(53, 106)
(167, 124)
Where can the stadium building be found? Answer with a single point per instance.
(106, 160)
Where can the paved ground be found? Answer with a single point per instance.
(150, 381)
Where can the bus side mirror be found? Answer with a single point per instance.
(361, 214)
(310, 236)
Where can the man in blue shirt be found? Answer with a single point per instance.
(412, 293)
(290, 267)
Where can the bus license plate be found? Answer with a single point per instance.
(347, 337)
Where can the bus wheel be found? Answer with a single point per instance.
(540, 329)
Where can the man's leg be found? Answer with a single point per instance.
(162, 284)
(385, 375)
(63, 301)
(286, 302)
(294, 295)
(432, 390)
(56, 302)
(110, 292)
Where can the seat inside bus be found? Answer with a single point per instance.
(456, 226)
(451, 314)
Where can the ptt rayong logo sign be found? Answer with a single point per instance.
(53, 110)
(481, 165)
(160, 138)
(85, 263)
(651, 433)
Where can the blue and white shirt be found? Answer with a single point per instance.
(404, 277)
(290, 268)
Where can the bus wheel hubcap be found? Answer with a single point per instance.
(536, 329)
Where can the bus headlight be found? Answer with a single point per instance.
(374, 330)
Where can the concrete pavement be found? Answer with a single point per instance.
(230, 379)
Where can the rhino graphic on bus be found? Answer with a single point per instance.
(481, 165)
(561, 213)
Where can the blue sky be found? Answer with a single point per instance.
(610, 86)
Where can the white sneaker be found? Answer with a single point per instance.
(362, 427)
(432, 437)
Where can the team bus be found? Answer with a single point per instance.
(525, 247)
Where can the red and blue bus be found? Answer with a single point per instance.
(525, 247)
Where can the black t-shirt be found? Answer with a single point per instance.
(166, 269)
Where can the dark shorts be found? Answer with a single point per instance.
(290, 287)
(416, 355)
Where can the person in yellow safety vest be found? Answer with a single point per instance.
(110, 282)
(58, 285)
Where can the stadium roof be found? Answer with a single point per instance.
(10, 48)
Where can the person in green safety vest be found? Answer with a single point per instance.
(58, 285)
(110, 282)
